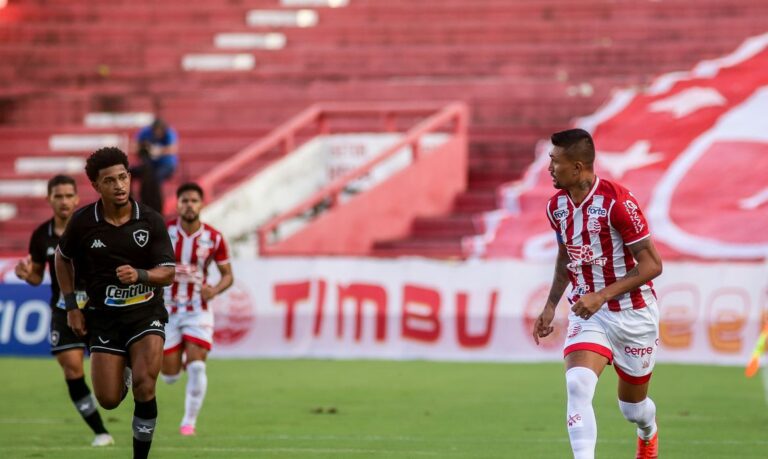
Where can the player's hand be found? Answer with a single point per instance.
(24, 268)
(76, 322)
(127, 275)
(588, 305)
(207, 292)
(543, 325)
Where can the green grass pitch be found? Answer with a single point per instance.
(383, 409)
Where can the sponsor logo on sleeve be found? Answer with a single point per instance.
(633, 216)
(561, 214)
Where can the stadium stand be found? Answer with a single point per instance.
(227, 72)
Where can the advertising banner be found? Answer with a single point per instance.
(482, 310)
(25, 318)
(477, 310)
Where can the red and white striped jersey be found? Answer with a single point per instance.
(194, 254)
(597, 234)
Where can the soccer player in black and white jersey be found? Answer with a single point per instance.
(68, 348)
(122, 250)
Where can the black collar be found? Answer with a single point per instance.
(98, 210)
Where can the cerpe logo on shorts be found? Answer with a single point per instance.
(638, 351)
(128, 296)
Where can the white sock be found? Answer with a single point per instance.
(643, 414)
(170, 379)
(582, 426)
(197, 383)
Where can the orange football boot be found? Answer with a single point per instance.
(648, 449)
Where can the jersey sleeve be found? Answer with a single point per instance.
(221, 255)
(69, 243)
(37, 248)
(628, 219)
(161, 251)
(553, 224)
(550, 218)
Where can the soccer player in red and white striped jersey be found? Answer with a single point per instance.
(606, 253)
(189, 331)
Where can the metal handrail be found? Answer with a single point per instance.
(455, 112)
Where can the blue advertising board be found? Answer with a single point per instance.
(25, 318)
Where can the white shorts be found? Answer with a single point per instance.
(628, 338)
(193, 327)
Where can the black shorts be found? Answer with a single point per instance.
(62, 337)
(113, 330)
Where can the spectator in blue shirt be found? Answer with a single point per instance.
(157, 146)
(161, 142)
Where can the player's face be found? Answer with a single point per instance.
(189, 205)
(113, 185)
(63, 200)
(563, 171)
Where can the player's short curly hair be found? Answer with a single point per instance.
(102, 159)
(189, 186)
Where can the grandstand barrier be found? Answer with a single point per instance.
(422, 185)
(481, 310)
(330, 151)
(425, 185)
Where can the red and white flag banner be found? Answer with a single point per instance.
(693, 149)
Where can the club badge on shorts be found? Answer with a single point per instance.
(141, 237)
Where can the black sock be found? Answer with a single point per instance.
(144, 418)
(85, 404)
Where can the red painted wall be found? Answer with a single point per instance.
(427, 187)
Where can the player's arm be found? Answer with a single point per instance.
(647, 268)
(32, 268)
(29, 271)
(65, 274)
(543, 325)
(210, 291)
